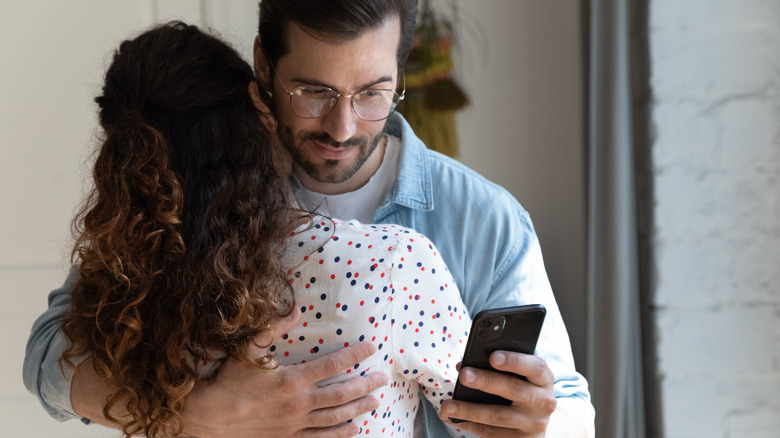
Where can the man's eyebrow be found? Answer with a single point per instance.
(318, 83)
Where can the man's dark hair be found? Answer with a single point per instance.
(339, 20)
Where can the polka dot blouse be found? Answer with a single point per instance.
(385, 284)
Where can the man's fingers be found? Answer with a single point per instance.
(344, 392)
(492, 382)
(533, 399)
(521, 392)
(532, 367)
(489, 414)
(482, 417)
(331, 364)
(343, 430)
(338, 414)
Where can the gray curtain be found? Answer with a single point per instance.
(615, 353)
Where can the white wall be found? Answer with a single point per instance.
(716, 114)
(523, 131)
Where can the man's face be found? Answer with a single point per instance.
(333, 148)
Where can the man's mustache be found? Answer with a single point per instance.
(325, 138)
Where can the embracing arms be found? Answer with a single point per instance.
(235, 404)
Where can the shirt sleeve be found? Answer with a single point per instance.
(522, 279)
(431, 323)
(42, 373)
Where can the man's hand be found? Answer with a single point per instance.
(533, 400)
(285, 402)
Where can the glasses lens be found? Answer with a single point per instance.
(373, 105)
(313, 102)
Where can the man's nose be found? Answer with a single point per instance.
(340, 122)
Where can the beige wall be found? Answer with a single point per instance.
(522, 131)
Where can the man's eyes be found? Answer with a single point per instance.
(316, 91)
(327, 93)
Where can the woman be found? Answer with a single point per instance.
(190, 245)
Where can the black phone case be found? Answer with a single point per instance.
(510, 328)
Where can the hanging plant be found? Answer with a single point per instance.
(432, 95)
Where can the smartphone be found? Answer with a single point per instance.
(511, 329)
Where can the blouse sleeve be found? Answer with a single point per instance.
(431, 324)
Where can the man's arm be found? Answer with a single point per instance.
(42, 373)
(247, 402)
(555, 398)
(242, 401)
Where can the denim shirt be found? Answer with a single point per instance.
(489, 244)
(484, 235)
(42, 373)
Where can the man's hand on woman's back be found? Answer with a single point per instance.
(285, 402)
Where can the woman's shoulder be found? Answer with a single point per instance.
(387, 233)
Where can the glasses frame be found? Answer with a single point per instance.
(402, 75)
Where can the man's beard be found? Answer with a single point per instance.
(332, 171)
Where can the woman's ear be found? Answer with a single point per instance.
(265, 113)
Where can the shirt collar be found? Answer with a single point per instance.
(412, 188)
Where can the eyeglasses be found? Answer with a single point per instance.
(371, 104)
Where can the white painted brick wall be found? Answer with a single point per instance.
(715, 75)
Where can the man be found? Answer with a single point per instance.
(331, 68)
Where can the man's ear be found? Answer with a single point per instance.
(264, 112)
(262, 67)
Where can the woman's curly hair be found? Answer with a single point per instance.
(178, 242)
